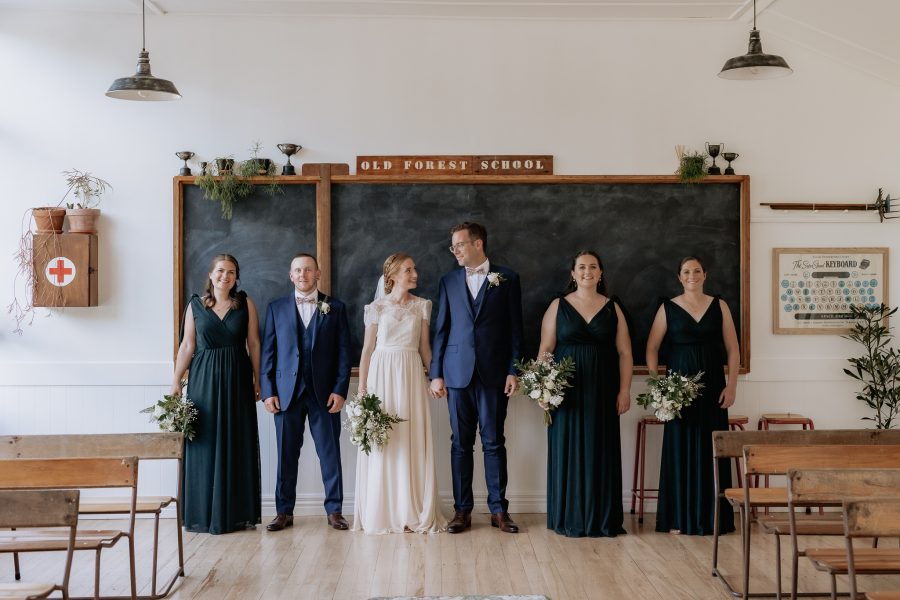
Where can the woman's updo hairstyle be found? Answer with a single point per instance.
(391, 268)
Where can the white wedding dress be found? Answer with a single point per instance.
(396, 486)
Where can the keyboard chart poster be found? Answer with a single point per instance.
(813, 288)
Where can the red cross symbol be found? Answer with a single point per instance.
(60, 271)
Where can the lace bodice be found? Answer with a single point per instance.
(399, 327)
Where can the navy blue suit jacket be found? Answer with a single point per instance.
(488, 340)
(281, 351)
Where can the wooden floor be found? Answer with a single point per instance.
(312, 561)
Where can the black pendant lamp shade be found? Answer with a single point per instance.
(756, 64)
(143, 85)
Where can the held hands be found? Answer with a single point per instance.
(437, 387)
(512, 384)
(727, 397)
(272, 404)
(623, 403)
(335, 403)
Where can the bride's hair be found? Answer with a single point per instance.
(391, 267)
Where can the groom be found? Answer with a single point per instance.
(305, 376)
(476, 343)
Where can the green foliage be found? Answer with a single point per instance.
(879, 368)
(228, 186)
(87, 188)
(692, 167)
(368, 423)
(544, 380)
(174, 413)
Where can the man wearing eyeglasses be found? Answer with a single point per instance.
(476, 343)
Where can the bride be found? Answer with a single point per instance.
(396, 487)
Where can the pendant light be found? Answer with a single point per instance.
(755, 64)
(143, 85)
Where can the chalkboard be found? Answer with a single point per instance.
(639, 229)
(264, 233)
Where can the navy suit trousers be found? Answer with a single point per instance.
(472, 408)
(325, 428)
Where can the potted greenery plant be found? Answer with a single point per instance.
(878, 369)
(691, 165)
(83, 212)
(228, 184)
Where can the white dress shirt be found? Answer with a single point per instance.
(306, 309)
(475, 280)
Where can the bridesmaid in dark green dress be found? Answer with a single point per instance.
(584, 463)
(221, 347)
(700, 335)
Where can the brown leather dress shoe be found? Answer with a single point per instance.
(280, 522)
(338, 521)
(461, 521)
(504, 522)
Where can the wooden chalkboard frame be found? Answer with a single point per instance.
(323, 223)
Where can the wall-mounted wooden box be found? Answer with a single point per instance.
(65, 269)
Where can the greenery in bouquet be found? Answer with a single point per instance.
(174, 413)
(667, 395)
(544, 380)
(368, 423)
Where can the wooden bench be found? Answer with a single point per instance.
(807, 487)
(145, 446)
(862, 518)
(882, 595)
(40, 508)
(730, 444)
(59, 473)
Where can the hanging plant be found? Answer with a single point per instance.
(228, 185)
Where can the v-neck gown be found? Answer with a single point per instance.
(687, 493)
(584, 462)
(221, 463)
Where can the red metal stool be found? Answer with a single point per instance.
(638, 491)
(783, 419)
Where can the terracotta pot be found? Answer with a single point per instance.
(49, 219)
(82, 220)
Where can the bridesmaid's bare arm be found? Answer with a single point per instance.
(733, 352)
(548, 329)
(655, 338)
(185, 351)
(253, 345)
(626, 363)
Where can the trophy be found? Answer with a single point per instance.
(203, 166)
(713, 151)
(289, 150)
(729, 156)
(185, 156)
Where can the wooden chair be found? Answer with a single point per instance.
(59, 473)
(40, 508)
(145, 446)
(730, 444)
(862, 518)
(808, 487)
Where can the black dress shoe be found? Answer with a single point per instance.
(280, 522)
(461, 521)
(504, 522)
(338, 521)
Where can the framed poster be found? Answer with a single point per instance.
(813, 288)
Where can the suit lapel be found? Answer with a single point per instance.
(482, 294)
(314, 321)
(293, 316)
(464, 290)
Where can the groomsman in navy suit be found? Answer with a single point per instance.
(305, 376)
(476, 343)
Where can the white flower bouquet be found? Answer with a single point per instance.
(544, 380)
(666, 395)
(368, 423)
(174, 413)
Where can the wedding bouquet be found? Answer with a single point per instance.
(666, 395)
(368, 423)
(544, 380)
(174, 413)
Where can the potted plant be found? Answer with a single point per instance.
(228, 184)
(878, 369)
(691, 165)
(83, 212)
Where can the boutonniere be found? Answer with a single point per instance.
(495, 279)
(323, 306)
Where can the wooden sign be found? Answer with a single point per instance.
(512, 164)
(65, 269)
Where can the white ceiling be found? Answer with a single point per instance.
(860, 34)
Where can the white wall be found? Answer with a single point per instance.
(602, 97)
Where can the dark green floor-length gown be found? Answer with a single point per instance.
(221, 463)
(687, 491)
(584, 463)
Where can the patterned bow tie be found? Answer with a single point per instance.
(309, 300)
(478, 271)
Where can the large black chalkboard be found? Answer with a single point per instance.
(264, 233)
(640, 230)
